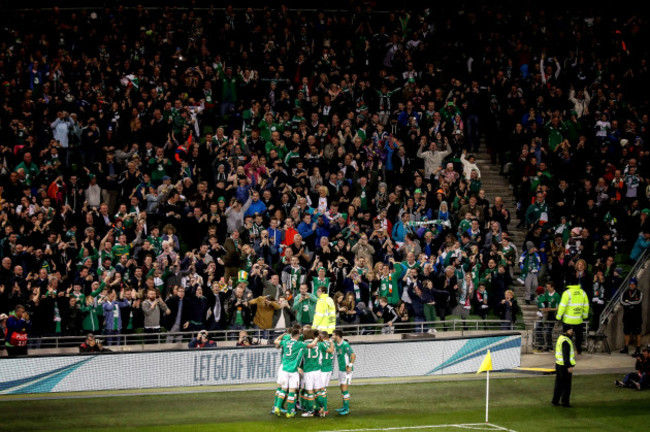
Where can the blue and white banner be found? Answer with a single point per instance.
(120, 371)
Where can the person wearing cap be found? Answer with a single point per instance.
(202, 340)
(573, 310)
(565, 361)
(530, 264)
(632, 302)
(449, 112)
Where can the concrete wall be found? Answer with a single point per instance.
(614, 328)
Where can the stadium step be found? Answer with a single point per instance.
(496, 185)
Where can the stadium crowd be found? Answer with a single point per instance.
(189, 169)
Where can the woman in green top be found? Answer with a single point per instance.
(91, 312)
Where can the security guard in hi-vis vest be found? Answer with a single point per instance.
(573, 310)
(565, 361)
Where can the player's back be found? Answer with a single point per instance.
(327, 358)
(343, 352)
(312, 359)
(292, 352)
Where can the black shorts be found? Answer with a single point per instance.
(632, 325)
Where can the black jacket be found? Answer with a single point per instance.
(172, 303)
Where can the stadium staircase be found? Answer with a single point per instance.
(495, 185)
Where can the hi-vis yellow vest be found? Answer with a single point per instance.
(325, 316)
(574, 306)
(559, 357)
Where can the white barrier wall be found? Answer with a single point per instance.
(245, 365)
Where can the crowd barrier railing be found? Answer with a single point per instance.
(259, 335)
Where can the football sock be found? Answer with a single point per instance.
(346, 400)
(291, 402)
(311, 401)
(279, 399)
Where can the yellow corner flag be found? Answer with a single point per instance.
(487, 364)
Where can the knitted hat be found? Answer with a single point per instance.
(529, 245)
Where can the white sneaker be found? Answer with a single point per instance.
(432, 331)
(308, 414)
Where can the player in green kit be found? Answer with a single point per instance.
(285, 336)
(345, 357)
(311, 363)
(326, 349)
(289, 379)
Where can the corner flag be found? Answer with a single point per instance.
(486, 365)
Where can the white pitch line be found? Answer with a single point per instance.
(473, 426)
(501, 428)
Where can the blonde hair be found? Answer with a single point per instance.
(511, 292)
(323, 190)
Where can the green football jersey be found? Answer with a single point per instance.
(119, 250)
(286, 337)
(292, 352)
(343, 353)
(326, 364)
(311, 359)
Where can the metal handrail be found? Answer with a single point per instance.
(135, 339)
(609, 309)
(541, 326)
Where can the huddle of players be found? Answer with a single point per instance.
(310, 353)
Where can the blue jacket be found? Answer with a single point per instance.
(640, 245)
(276, 234)
(242, 192)
(16, 325)
(389, 156)
(255, 207)
(322, 230)
(305, 229)
(109, 311)
(399, 231)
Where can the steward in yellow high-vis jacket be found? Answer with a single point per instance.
(565, 360)
(325, 315)
(573, 310)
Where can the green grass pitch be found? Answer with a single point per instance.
(516, 404)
